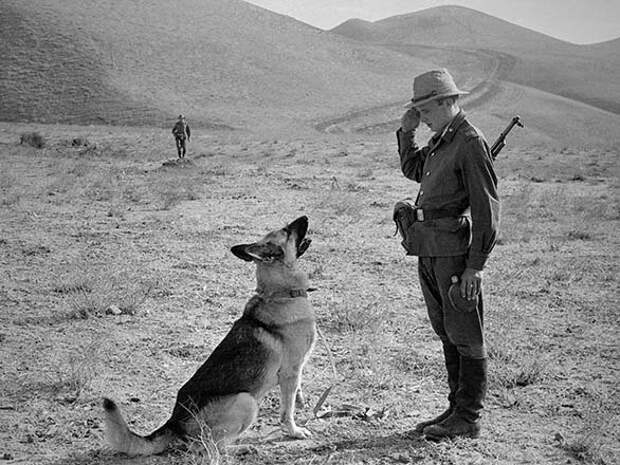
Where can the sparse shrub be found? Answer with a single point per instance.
(34, 139)
(199, 449)
(174, 190)
(80, 142)
(76, 375)
(513, 366)
(91, 291)
(578, 235)
(352, 317)
(600, 420)
(171, 197)
(9, 190)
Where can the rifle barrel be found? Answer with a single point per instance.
(500, 143)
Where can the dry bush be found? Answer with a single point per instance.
(10, 189)
(76, 374)
(171, 188)
(80, 142)
(199, 449)
(355, 316)
(90, 290)
(34, 139)
(601, 422)
(513, 364)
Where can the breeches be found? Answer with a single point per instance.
(454, 327)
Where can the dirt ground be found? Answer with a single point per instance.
(117, 280)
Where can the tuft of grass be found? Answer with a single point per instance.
(199, 448)
(77, 374)
(590, 444)
(514, 366)
(80, 142)
(350, 317)
(34, 139)
(579, 235)
(89, 291)
(10, 190)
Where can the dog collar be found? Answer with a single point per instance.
(291, 293)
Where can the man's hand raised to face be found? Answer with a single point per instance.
(410, 120)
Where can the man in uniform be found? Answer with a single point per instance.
(181, 131)
(455, 224)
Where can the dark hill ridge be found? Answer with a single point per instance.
(223, 62)
(582, 72)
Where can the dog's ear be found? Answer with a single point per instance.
(303, 246)
(262, 252)
(240, 252)
(299, 226)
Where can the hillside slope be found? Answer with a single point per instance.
(222, 62)
(586, 73)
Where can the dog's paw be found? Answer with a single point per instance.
(298, 432)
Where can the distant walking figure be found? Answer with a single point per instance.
(181, 131)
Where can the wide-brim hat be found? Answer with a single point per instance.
(433, 85)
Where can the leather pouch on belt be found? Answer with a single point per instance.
(404, 217)
(459, 303)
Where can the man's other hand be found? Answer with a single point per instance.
(471, 283)
(410, 120)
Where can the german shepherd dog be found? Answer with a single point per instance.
(267, 346)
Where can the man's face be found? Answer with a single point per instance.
(435, 115)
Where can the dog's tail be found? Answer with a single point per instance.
(121, 439)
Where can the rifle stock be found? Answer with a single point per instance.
(500, 143)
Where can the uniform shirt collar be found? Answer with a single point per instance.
(447, 134)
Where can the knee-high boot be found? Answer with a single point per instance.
(452, 359)
(464, 419)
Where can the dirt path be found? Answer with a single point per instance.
(373, 120)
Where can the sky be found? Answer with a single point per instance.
(577, 21)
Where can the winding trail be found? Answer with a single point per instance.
(361, 121)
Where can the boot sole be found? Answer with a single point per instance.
(440, 437)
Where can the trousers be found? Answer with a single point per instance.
(458, 328)
(180, 141)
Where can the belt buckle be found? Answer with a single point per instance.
(419, 214)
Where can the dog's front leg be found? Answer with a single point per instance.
(300, 400)
(289, 390)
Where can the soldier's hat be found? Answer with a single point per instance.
(181, 117)
(433, 85)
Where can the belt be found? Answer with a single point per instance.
(426, 214)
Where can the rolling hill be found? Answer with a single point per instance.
(224, 63)
(230, 64)
(586, 73)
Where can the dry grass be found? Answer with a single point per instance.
(121, 230)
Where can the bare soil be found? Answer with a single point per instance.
(87, 228)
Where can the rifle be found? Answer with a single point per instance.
(500, 143)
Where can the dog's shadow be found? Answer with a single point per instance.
(372, 445)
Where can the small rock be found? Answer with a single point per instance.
(401, 458)
(7, 456)
(113, 310)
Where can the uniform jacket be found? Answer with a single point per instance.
(181, 129)
(455, 172)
